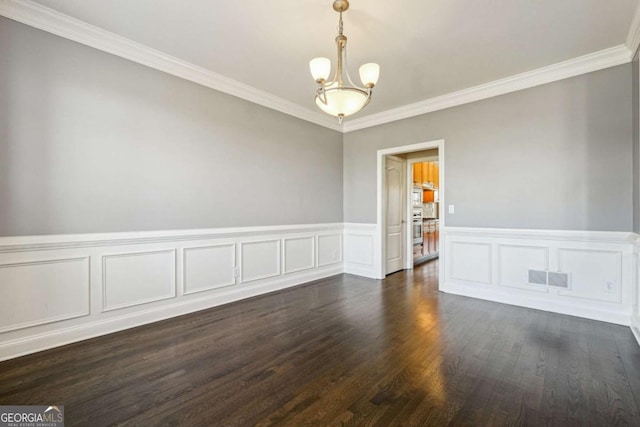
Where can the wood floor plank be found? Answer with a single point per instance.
(344, 350)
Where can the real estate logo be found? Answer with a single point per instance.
(31, 416)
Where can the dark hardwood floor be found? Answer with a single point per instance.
(344, 351)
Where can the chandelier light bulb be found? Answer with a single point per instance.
(320, 69)
(369, 74)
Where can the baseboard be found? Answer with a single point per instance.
(68, 335)
(536, 302)
(360, 271)
(635, 328)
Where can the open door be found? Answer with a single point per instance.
(395, 206)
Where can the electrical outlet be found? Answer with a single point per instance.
(236, 272)
(334, 254)
(452, 209)
(611, 287)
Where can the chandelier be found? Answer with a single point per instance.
(340, 97)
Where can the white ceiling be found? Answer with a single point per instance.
(425, 48)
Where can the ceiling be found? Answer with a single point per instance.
(425, 48)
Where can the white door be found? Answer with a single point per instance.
(395, 232)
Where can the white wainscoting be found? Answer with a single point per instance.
(138, 278)
(361, 244)
(55, 290)
(635, 307)
(493, 264)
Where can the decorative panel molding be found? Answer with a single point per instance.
(131, 279)
(361, 244)
(360, 249)
(471, 262)
(207, 261)
(299, 254)
(259, 260)
(515, 261)
(208, 267)
(44, 291)
(92, 284)
(594, 274)
(329, 249)
(599, 266)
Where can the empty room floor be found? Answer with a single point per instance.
(344, 351)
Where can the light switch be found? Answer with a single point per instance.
(452, 209)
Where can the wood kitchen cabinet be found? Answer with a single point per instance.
(431, 235)
(426, 173)
(428, 179)
(417, 173)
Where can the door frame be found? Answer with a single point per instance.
(379, 254)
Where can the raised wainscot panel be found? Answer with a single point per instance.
(39, 292)
(394, 246)
(138, 278)
(329, 249)
(299, 254)
(208, 267)
(593, 274)
(359, 249)
(260, 260)
(514, 262)
(471, 262)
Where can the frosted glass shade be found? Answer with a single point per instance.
(320, 68)
(345, 101)
(369, 74)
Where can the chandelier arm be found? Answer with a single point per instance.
(321, 93)
(346, 66)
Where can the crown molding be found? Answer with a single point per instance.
(633, 37)
(583, 64)
(46, 19)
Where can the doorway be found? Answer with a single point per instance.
(423, 168)
(384, 227)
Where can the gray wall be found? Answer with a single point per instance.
(557, 156)
(90, 142)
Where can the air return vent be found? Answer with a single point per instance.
(537, 277)
(559, 280)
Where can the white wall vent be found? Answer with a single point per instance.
(559, 280)
(537, 277)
